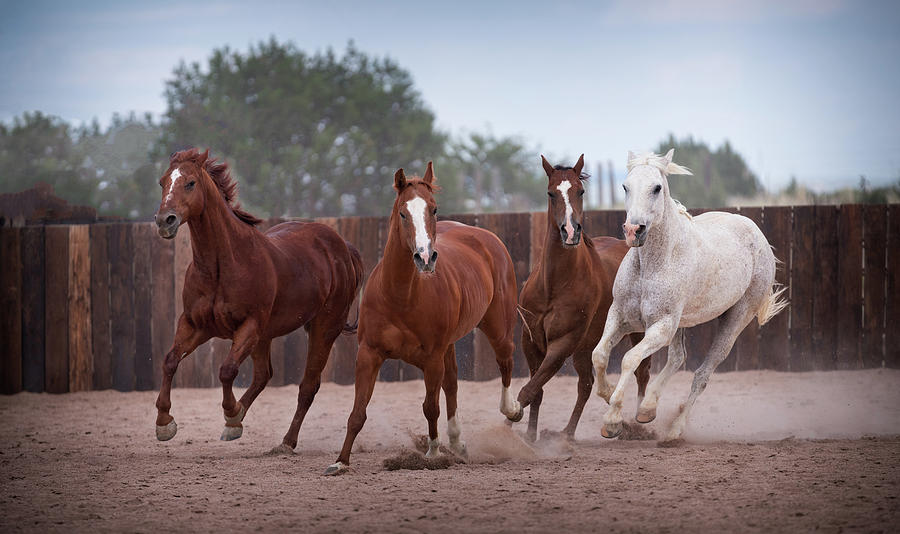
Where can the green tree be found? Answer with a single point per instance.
(306, 135)
(718, 175)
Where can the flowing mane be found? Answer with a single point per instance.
(655, 160)
(583, 176)
(221, 176)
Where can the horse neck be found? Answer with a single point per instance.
(214, 235)
(399, 274)
(663, 238)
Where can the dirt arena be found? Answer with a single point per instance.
(765, 452)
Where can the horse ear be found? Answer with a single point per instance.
(429, 173)
(203, 157)
(579, 166)
(547, 167)
(630, 157)
(399, 179)
(670, 155)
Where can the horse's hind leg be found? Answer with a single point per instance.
(322, 332)
(245, 339)
(734, 321)
(585, 370)
(674, 360)
(450, 388)
(498, 325)
(368, 362)
(262, 372)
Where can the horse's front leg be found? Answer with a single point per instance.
(613, 332)
(245, 339)
(187, 338)
(557, 351)
(657, 336)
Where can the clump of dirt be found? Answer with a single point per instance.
(636, 432)
(553, 444)
(671, 443)
(280, 450)
(499, 443)
(414, 460)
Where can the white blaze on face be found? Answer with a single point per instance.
(570, 230)
(416, 208)
(176, 174)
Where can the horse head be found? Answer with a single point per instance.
(415, 212)
(566, 194)
(183, 186)
(647, 193)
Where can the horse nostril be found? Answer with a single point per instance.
(641, 229)
(433, 256)
(170, 220)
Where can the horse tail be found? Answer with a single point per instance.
(359, 271)
(772, 305)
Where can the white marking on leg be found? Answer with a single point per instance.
(176, 174)
(434, 446)
(416, 207)
(508, 405)
(570, 230)
(453, 430)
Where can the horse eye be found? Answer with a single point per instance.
(657, 189)
(581, 193)
(402, 216)
(625, 188)
(550, 194)
(434, 211)
(190, 185)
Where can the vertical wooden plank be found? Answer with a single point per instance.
(892, 291)
(343, 352)
(101, 343)
(144, 234)
(875, 243)
(56, 316)
(277, 358)
(121, 304)
(485, 364)
(803, 289)
(849, 287)
(11, 304)
(747, 345)
(33, 301)
(81, 358)
(538, 233)
(183, 257)
(825, 283)
(294, 356)
(162, 303)
(774, 348)
(465, 356)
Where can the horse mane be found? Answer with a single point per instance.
(655, 160)
(583, 176)
(417, 180)
(221, 176)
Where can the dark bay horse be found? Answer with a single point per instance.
(250, 287)
(415, 307)
(566, 297)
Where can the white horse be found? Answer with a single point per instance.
(682, 271)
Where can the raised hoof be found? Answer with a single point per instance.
(338, 468)
(517, 416)
(611, 430)
(167, 432)
(645, 416)
(232, 433)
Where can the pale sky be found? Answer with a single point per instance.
(806, 88)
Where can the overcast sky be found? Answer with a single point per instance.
(804, 88)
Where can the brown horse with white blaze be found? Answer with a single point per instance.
(567, 296)
(250, 287)
(415, 306)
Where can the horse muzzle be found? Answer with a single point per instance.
(425, 266)
(574, 239)
(167, 224)
(635, 234)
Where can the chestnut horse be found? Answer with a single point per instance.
(250, 287)
(566, 297)
(414, 308)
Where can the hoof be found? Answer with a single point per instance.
(459, 449)
(231, 433)
(434, 448)
(517, 416)
(283, 449)
(338, 468)
(167, 432)
(645, 416)
(611, 430)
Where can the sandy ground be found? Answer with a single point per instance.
(765, 452)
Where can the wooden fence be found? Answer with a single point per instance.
(94, 306)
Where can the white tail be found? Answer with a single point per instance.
(772, 306)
